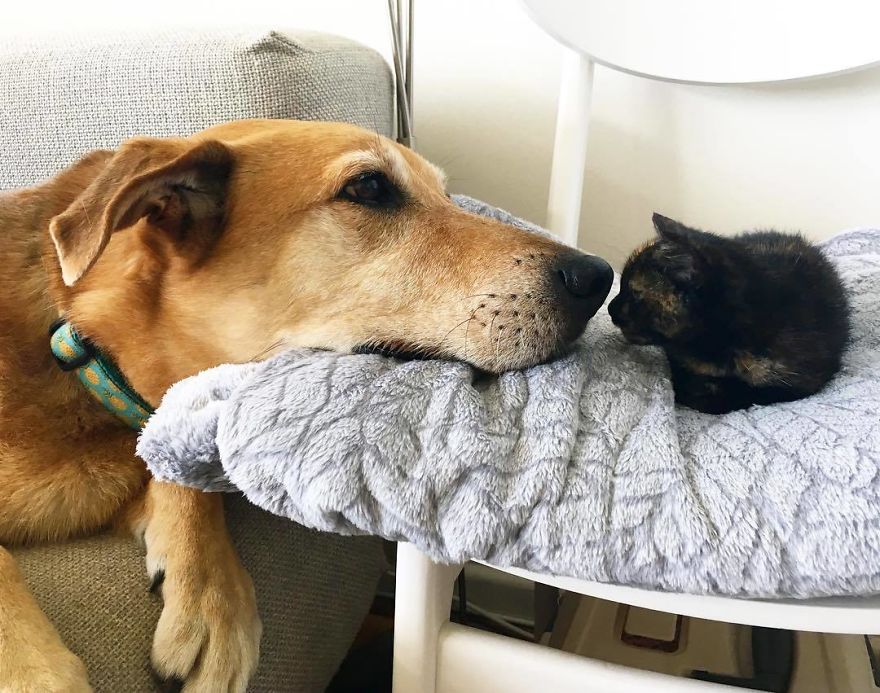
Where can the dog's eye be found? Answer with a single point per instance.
(372, 189)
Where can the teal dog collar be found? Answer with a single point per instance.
(98, 374)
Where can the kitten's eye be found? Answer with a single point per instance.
(372, 189)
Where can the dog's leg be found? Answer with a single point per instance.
(32, 657)
(209, 632)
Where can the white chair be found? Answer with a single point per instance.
(694, 41)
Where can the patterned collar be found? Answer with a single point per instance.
(98, 374)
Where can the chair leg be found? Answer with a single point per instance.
(423, 597)
(570, 147)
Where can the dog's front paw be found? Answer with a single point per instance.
(208, 636)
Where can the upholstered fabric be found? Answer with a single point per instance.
(62, 97)
(313, 592)
(66, 95)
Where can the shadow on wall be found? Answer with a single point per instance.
(794, 156)
(634, 165)
(506, 164)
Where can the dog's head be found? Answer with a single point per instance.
(259, 235)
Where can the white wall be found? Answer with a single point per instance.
(801, 156)
(798, 157)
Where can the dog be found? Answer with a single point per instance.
(171, 256)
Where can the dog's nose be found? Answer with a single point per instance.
(585, 276)
(582, 284)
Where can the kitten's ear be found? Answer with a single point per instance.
(674, 231)
(684, 265)
(679, 250)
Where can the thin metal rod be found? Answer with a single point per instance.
(501, 623)
(397, 20)
(395, 41)
(409, 63)
(402, 103)
(401, 41)
(395, 25)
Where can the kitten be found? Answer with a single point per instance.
(753, 319)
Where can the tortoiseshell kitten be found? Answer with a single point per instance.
(753, 319)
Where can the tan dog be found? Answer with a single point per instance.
(176, 255)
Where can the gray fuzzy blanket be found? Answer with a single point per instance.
(580, 467)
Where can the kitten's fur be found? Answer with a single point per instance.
(757, 318)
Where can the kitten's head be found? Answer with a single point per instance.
(662, 286)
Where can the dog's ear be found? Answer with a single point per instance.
(177, 185)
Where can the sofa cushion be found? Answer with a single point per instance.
(63, 96)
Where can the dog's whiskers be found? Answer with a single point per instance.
(479, 296)
(267, 351)
(491, 324)
(466, 330)
(463, 322)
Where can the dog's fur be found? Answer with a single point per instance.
(176, 255)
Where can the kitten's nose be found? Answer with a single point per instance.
(615, 310)
(586, 276)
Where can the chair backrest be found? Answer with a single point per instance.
(710, 42)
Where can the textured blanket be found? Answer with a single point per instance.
(580, 467)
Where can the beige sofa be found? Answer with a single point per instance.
(62, 97)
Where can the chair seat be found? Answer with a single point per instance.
(854, 615)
